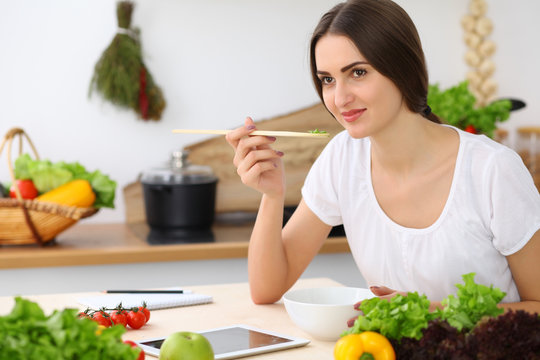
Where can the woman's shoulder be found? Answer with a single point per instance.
(483, 147)
(486, 157)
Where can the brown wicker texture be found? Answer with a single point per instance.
(24, 222)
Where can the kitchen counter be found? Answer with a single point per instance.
(231, 305)
(92, 244)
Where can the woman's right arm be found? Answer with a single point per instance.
(277, 257)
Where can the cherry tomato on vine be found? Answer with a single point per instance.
(132, 344)
(83, 315)
(136, 319)
(119, 317)
(145, 311)
(102, 318)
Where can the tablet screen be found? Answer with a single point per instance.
(234, 341)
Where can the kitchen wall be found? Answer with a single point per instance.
(216, 61)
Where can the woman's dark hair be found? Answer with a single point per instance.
(387, 37)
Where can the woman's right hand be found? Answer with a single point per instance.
(258, 165)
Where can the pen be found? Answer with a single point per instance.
(144, 291)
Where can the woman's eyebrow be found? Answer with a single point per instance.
(345, 68)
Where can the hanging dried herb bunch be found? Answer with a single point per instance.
(120, 75)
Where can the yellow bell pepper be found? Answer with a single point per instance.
(361, 346)
(73, 193)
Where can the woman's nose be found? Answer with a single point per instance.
(343, 95)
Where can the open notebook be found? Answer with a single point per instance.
(153, 301)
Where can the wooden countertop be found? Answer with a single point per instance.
(92, 244)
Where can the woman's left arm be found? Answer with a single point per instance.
(525, 267)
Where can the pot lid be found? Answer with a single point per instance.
(179, 171)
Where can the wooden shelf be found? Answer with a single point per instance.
(93, 244)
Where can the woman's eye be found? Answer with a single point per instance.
(325, 80)
(359, 72)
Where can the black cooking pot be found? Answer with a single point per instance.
(179, 200)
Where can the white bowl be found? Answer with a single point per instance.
(323, 312)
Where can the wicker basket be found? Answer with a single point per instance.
(24, 222)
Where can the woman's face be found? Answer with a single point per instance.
(361, 99)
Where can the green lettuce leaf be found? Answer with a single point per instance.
(21, 167)
(473, 302)
(401, 316)
(104, 188)
(407, 316)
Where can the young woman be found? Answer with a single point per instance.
(422, 203)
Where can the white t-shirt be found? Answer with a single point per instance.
(493, 209)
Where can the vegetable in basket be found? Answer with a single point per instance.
(27, 189)
(48, 176)
(74, 193)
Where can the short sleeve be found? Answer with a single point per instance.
(514, 199)
(320, 190)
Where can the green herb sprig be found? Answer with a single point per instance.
(317, 131)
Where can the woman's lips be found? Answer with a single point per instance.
(352, 115)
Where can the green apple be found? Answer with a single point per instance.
(185, 345)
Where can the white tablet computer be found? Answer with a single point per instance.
(235, 341)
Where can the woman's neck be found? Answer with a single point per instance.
(409, 146)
